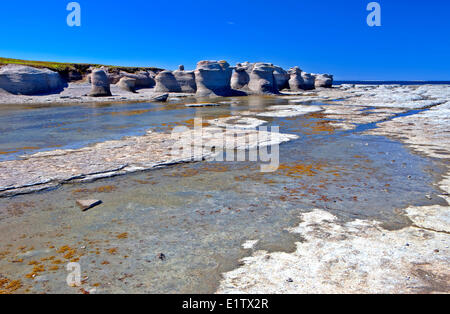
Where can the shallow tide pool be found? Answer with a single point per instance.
(175, 230)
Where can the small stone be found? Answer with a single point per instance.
(290, 280)
(202, 105)
(88, 204)
(160, 98)
(428, 197)
(161, 256)
(436, 251)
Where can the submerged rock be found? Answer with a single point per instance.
(25, 80)
(100, 84)
(213, 78)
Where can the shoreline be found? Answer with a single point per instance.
(361, 256)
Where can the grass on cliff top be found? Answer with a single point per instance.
(66, 67)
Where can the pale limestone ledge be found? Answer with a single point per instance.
(427, 132)
(285, 111)
(360, 256)
(50, 169)
(355, 257)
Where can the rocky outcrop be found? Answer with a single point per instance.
(167, 83)
(153, 74)
(265, 78)
(241, 76)
(185, 80)
(323, 80)
(295, 79)
(308, 81)
(213, 78)
(143, 79)
(300, 80)
(262, 80)
(113, 77)
(25, 80)
(281, 78)
(127, 84)
(73, 76)
(258, 78)
(100, 84)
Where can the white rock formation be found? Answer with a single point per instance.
(167, 83)
(323, 80)
(186, 80)
(213, 78)
(25, 80)
(127, 84)
(100, 84)
(262, 80)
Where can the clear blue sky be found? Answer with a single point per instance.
(319, 36)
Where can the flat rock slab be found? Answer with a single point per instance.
(202, 105)
(88, 204)
(353, 257)
(285, 111)
(112, 158)
(237, 122)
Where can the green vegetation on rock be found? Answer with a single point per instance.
(64, 68)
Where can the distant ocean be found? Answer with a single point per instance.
(393, 82)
